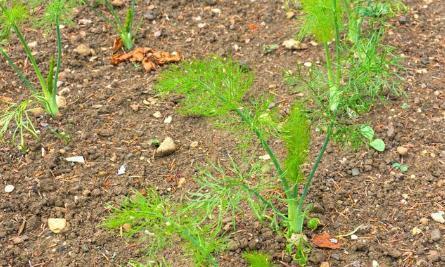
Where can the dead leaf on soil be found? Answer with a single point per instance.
(252, 27)
(324, 240)
(117, 45)
(150, 58)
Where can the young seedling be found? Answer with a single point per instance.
(400, 166)
(45, 95)
(313, 223)
(125, 29)
(368, 133)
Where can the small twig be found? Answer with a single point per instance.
(352, 232)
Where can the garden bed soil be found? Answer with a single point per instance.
(109, 117)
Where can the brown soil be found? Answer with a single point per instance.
(110, 119)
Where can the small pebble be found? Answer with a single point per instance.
(438, 217)
(157, 114)
(293, 44)
(264, 157)
(56, 225)
(402, 150)
(433, 256)
(84, 50)
(194, 144)
(424, 221)
(117, 3)
(168, 120)
(9, 188)
(290, 15)
(355, 172)
(150, 15)
(435, 235)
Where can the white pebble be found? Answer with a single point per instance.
(168, 120)
(9, 188)
(438, 216)
(157, 114)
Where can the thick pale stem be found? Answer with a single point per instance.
(51, 94)
(308, 183)
(292, 215)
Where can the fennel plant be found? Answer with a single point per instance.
(44, 94)
(124, 28)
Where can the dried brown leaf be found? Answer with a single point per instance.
(148, 65)
(117, 45)
(324, 240)
(149, 58)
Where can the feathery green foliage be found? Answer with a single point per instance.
(320, 17)
(61, 9)
(210, 86)
(296, 136)
(198, 219)
(360, 71)
(17, 113)
(257, 259)
(221, 193)
(11, 14)
(162, 222)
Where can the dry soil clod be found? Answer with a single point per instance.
(167, 147)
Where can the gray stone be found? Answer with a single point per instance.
(150, 15)
(435, 235)
(355, 172)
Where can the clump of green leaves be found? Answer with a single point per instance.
(12, 15)
(361, 64)
(162, 222)
(377, 143)
(125, 28)
(257, 259)
(221, 193)
(400, 166)
(313, 223)
(210, 87)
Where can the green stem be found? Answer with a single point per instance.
(292, 215)
(311, 176)
(337, 43)
(18, 71)
(247, 119)
(329, 65)
(262, 199)
(30, 56)
(59, 55)
(52, 94)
